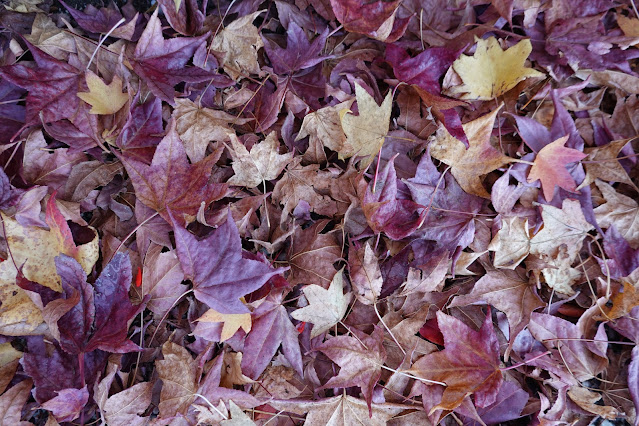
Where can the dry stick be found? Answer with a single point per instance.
(224, 416)
(102, 40)
(388, 329)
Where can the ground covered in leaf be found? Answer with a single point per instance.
(319, 212)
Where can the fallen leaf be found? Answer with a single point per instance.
(469, 165)
(469, 363)
(601, 163)
(511, 244)
(619, 211)
(104, 98)
(232, 322)
(238, 417)
(366, 132)
(12, 402)
(68, 404)
(325, 307)
(263, 163)
(365, 275)
(588, 399)
(360, 360)
(550, 167)
(239, 42)
(492, 71)
(324, 127)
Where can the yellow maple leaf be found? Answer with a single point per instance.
(365, 133)
(232, 322)
(469, 165)
(492, 71)
(104, 98)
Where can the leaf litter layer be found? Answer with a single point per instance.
(319, 212)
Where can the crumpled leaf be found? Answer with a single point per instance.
(366, 132)
(326, 307)
(239, 42)
(219, 272)
(550, 167)
(12, 402)
(618, 210)
(104, 98)
(198, 126)
(324, 127)
(492, 71)
(469, 363)
(261, 164)
(469, 165)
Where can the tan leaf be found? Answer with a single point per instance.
(566, 226)
(365, 275)
(24, 6)
(178, 374)
(12, 402)
(588, 399)
(341, 410)
(262, 164)
(365, 133)
(312, 255)
(629, 26)
(307, 183)
(238, 417)
(325, 307)
(198, 126)
(239, 42)
(602, 163)
(232, 370)
(87, 176)
(469, 165)
(620, 211)
(104, 99)
(232, 322)
(324, 126)
(511, 244)
(48, 37)
(123, 408)
(492, 71)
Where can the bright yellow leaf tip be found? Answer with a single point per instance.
(492, 71)
(104, 99)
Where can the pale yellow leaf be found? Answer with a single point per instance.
(492, 71)
(325, 307)
(232, 322)
(365, 133)
(104, 98)
(262, 164)
(511, 244)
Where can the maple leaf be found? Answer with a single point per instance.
(511, 244)
(492, 71)
(299, 53)
(12, 401)
(326, 307)
(163, 63)
(360, 361)
(34, 249)
(219, 272)
(507, 291)
(397, 218)
(183, 16)
(103, 20)
(312, 255)
(103, 98)
(261, 164)
(622, 303)
(161, 278)
(376, 19)
(601, 163)
(232, 322)
(99, 320)
(324, 128)
(550, 167)
(619, 211)
(468, 364)
(170, 183)
(271, 328)
(469, 165)
(622, 259)
(365, 133)
(365, 275)
(198, 126)
(239, 42)
(52, 86)
(143, 129)
(68, 404)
